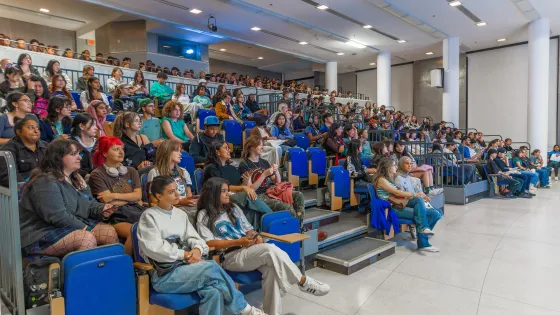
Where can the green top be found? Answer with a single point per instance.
(162, 92)
(383, 194)
(151, 128)
(204, 100)
(515, 160)
(59, 129)
(177, 127)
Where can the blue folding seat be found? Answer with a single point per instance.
(338, 180)
(317, 165)
(247, 133)
(76, 98)
(249, 124)
(187, 162)
(233, 133)
(198, 178)
(202, 114)
(297, 166)
(302, 140)
(281, 223)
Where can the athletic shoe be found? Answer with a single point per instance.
(435, 191)
(253, 311)
(546, 187)
(430, 249)
(314, 287)
(426, 231)
(530, 194)
(556, 178)
(510, 196)
(412, 230)
(524, 195)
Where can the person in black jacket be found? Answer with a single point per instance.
(83, 131)
(201, 143)
(26, 148)
(253, 105)
(515, 186)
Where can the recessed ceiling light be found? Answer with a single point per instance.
(357, 45)
(44, 10)
(502, 40)
(195, 11)
(372, 64)
(340, 54)
(322, 7)
(429, 53)
(255, 28)
(455, 3)
(222, 49)
(261, 58)
(303, 43)
(367, 26)
(400, 41)
(481, 23)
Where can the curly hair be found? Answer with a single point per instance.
(170, 106)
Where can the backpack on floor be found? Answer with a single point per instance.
(36, 281)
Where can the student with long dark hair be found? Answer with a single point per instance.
(281, 131)
(24, 64)
(92, 93)
(84, 132)
(42, 96)
(52, 69)
(13, 83)
(58, 123)
(139, 152)
(57, 213)
(139, 88)
(168, 239)
(58, 88)
(17, 105)
(358, 171)
(222, 224)
(333, 144)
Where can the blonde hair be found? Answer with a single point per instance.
(163, 155)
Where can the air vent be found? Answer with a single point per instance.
(527, 8)
(468, 13)
(172, 4)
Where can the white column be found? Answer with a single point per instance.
(384, 78)
(331, 76)
(537, 112)
(450, 110)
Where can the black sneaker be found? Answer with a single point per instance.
(510, 196)
(524, 195)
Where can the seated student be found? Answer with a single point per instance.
(366, 146)
(201, 98)
(424, 172)
(52, 69)
(350, 133)
(467, 152)
(58, 123)
(139, 88)
(298, 122)
(525, 169)
(224, 109)
(87, 72)
(84, 132)
(42, 96)
(151, 126)
(58, 88)
(358, 171)
(223, 225)
(122, 100)
(281, 131)
(26, 147)
(112, 182)
(25, 66)
(333, 144)
(412, 204)
(282, 109)
(465, 175)
(314, 133)
(92, 93)
(56, 212)
(265, 179)
(13, 83)
(408, 183)
(554, 160)
(272, 151)
(115, 80)
(201, 143)
(537, 163)
(507, 145)
(167, 238)
(17, 105)
(503, 165)
(139, 152)
(174, 126)
(515, 185)
(253, 105)
(241, 111)
(160, 90)
(98, 110)
(181, 96)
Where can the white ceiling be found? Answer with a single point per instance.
(303, 22)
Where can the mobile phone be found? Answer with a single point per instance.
(255, 236)
(195, 196)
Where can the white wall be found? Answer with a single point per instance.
(498, 92)
(402, 86)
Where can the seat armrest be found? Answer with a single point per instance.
(286, 238)
(143, 266)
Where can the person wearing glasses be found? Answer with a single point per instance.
(18, 105)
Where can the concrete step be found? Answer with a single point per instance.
(315, 218)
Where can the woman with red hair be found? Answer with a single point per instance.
(112, 182)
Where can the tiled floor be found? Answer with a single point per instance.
(497, 257)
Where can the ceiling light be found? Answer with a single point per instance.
(195, 11)
(372, 64)
(401, 41)
(340, 54)
(303, 43)
(260, 58)
(367, 26)
(322, 7)
(357, 45)
(165, 46)
(502, 40)
(190, 51)
(222, 49)
(255, 28)
(429, 53)
(455, 3)
(481, 23)
(44, 10)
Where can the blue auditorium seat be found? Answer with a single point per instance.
(198, 180)
(374, 201)
(249, 124)
(187, 162)
(297, 165)
(76, 97)
(317, 165)
(282, 223)
(203, 113)
(233, 133)
(302, 140)
(339, 180)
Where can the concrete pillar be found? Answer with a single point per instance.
(450, 110)
(537, 112)
(331, 75)
(384, 78)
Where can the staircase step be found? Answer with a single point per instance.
(355, 255)
(310, 196)
(315, 218)
(349, 225)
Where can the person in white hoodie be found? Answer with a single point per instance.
(171, 244)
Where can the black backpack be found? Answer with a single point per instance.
(36, 281)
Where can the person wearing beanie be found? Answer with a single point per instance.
(515, 186)
(151, 126)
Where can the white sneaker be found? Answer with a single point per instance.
(314, 287)
(435, 191)
(556, 178)
(253, 311)
(430, 249)
(426, 231)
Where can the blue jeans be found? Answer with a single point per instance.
(525, 178)
(210, 281)
(431, 216)
(544, 172)
(533, 177)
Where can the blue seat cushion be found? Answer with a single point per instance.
(173, 301)
(245, 277)
(360, 190)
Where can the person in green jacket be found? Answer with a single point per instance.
(160, 90)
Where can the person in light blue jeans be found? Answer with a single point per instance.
(424, 217)
(172, 245)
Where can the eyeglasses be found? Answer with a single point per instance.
(27, 101)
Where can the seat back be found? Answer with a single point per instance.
(232, 132)
(247, 133)
(187, 162)
(366, 161)
(135, 247)
(249, 124)
(100, 278)
(198, 178)
(76, 98)
(298, 161)
(281, 223)
(302, 140)
(145, 190)
(340, 178)
(202, 114)
(318, 159)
